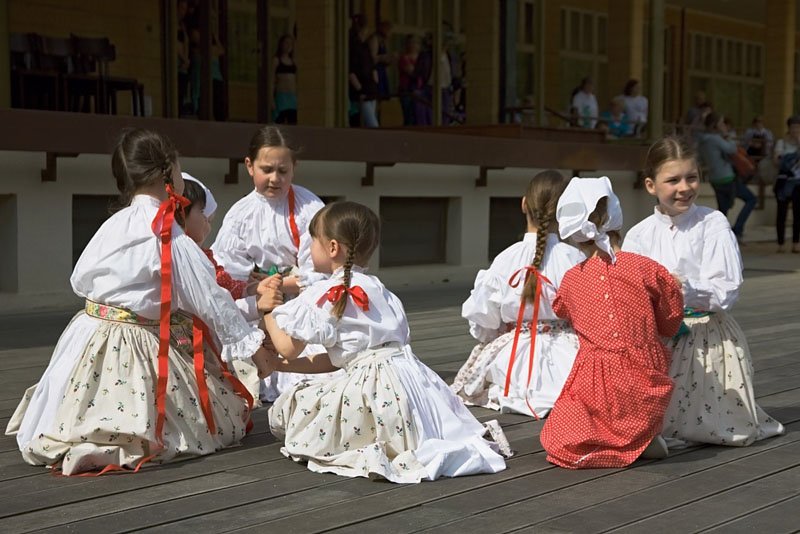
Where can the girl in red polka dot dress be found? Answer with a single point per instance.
(620, 304)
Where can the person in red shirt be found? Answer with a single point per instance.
(620, 304)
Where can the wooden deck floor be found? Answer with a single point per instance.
(252, 488)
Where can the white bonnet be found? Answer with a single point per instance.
(578, 202)
(211, 203)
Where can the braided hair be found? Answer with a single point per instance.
(140, 158)
(541, 200)
(357, 229)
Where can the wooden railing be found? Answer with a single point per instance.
(61, 134)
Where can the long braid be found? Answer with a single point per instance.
(341, 304)
(356, 228)
(541, 201)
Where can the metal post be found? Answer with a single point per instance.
(540, 46)
(508, 64)
(5, 63)
(342, 54)
(436, 53)
(205, 112)
(263, 94)
(655, 122)
(169, 39)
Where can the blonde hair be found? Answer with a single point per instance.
(354, 226)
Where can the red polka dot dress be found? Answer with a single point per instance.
(614, 399)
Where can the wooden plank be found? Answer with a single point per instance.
(155, 512)
(61, 515)
(552, 494)
(686, 492)
(734, 503)
(350, 494)
(776, 519)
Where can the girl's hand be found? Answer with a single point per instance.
(269, 283)
(291, 286)
(252, 283)
(270, 295)
(265, 362)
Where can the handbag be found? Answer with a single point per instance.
(742, 164)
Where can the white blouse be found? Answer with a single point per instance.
(699, 247)
(493, 303)
(121, 266)
(385, 321)
(256, 231)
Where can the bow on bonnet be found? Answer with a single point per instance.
(211, 203)
(578, 202)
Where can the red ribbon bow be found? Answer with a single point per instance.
(517, 278)
(358, 295)
(162, 224)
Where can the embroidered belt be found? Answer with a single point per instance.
(122, 315)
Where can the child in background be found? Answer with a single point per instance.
(267, 231)
(713, 400)
(121, 387)
(504, 335)
(387, 415)
(612, 406)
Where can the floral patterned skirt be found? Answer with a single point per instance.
(387, 416)
(713, 400)
(481, 380)
(95, 404)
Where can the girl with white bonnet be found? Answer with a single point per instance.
(620, 304)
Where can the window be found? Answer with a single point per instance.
(730, 72)
(8, 243)
(526, 52)
(506, 224)
(413, 231)
(88, 213)
(584, 46)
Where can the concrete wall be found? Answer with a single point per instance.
(38, 216)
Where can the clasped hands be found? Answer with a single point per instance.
(269, 293)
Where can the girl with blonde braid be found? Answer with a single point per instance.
(388, 415)
(500, 311)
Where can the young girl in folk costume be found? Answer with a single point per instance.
(713, 401)
(387, 415)
(612, 406)
(504, 296)
(124, 385)
(267, 231)
(196, 222)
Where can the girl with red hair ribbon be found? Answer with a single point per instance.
(387, 415)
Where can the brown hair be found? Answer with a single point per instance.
(599, 217)
(268, 137)
(669, 148)
(354, 226)
(629, 85)
(141, 158)
(196, 195)
(541, 200)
